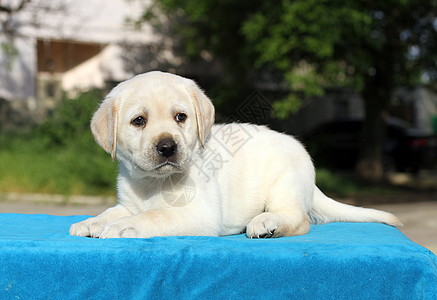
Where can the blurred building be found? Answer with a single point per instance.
(79, 45)
(416, 108)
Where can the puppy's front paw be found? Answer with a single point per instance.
(263, 226)
(91, 227)
(122, 228)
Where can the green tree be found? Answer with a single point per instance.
(310, 45)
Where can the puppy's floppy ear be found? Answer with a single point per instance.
(205, 113)
(104, 124)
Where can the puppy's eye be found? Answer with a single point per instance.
(138, 121)
(180, 117)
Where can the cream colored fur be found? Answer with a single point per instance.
(222, 180)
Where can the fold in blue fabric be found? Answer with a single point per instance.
(39, 260)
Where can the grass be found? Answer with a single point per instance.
(28, 167)
(334, 183)
(60, 156)
(345, 185)
(30, 164)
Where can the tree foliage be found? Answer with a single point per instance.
(68, 124)
(308, 46)
(312, 44)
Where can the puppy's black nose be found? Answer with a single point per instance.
(166, 148)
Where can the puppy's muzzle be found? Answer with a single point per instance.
(166, 148)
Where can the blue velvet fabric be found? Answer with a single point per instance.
(39, 260)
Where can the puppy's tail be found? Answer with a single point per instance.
(326, 210)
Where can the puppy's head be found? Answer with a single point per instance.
(153, 123)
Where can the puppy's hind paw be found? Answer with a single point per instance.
(263, 226)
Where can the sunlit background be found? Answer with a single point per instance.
(355, 81)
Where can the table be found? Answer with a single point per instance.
(39, 260)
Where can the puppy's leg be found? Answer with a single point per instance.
(285, 213)
(163, 222)
(92, 227)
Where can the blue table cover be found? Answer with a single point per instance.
(39, 260)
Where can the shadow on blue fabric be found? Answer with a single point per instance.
(39, 260)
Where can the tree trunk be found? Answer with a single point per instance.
(376, 96)
(369, 167)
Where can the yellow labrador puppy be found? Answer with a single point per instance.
(182, 175)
